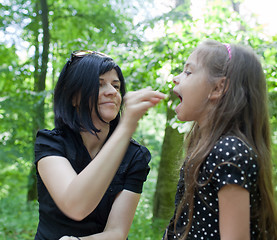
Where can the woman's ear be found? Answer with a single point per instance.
(76, 100)
(219, 89)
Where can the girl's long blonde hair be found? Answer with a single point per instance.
(241, 111)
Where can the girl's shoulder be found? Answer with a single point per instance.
(232, 161)
(232, 152)
(230, 145)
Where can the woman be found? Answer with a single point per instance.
(90, 174)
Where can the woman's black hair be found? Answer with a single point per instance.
(79, 81)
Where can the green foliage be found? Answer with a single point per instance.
(150, 133)
(18, 218)
(143, 226)
(16, 106)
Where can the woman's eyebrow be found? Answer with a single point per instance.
(115, 80)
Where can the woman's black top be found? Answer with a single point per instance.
(231, 161)
(131, 175)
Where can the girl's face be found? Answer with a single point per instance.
(193, 88)
(109, 98)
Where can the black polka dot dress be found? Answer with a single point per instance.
(231, 161)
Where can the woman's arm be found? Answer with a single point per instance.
(119, 220)
(234, 213)
(78, 195)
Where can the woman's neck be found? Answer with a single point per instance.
(94, 143)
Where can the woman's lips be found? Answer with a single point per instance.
(108, 103)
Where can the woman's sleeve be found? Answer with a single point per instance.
(232, 162)
(48, 143)
(138, 170)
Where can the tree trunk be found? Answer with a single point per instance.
(171, 159)
(39, 86)
(168, 175)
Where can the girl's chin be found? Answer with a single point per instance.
(180, 116)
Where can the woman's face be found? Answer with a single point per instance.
(109, 98)
(193, 88)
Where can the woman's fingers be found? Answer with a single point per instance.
(135, 106)
(143, 95)
(144, 98)
(138, 102)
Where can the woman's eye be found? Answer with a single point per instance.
(117, 87)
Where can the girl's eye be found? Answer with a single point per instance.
(187, 72)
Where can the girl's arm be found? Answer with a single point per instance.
(78, 195)
(234, 213)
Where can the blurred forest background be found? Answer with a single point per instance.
(150, 44)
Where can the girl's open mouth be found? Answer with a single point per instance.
(178, 96)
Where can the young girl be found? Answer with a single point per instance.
(225, 189)
(90, 173)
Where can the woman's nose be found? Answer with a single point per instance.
(110, 90)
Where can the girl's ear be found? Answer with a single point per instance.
(218, 89)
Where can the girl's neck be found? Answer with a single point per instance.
(94, 143)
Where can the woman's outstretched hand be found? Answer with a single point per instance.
(137, 103)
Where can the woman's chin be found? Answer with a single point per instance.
(108, 119)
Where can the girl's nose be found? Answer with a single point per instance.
(176, 80)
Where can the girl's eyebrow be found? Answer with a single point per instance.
(189, 64)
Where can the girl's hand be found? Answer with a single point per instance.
(137, 103)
